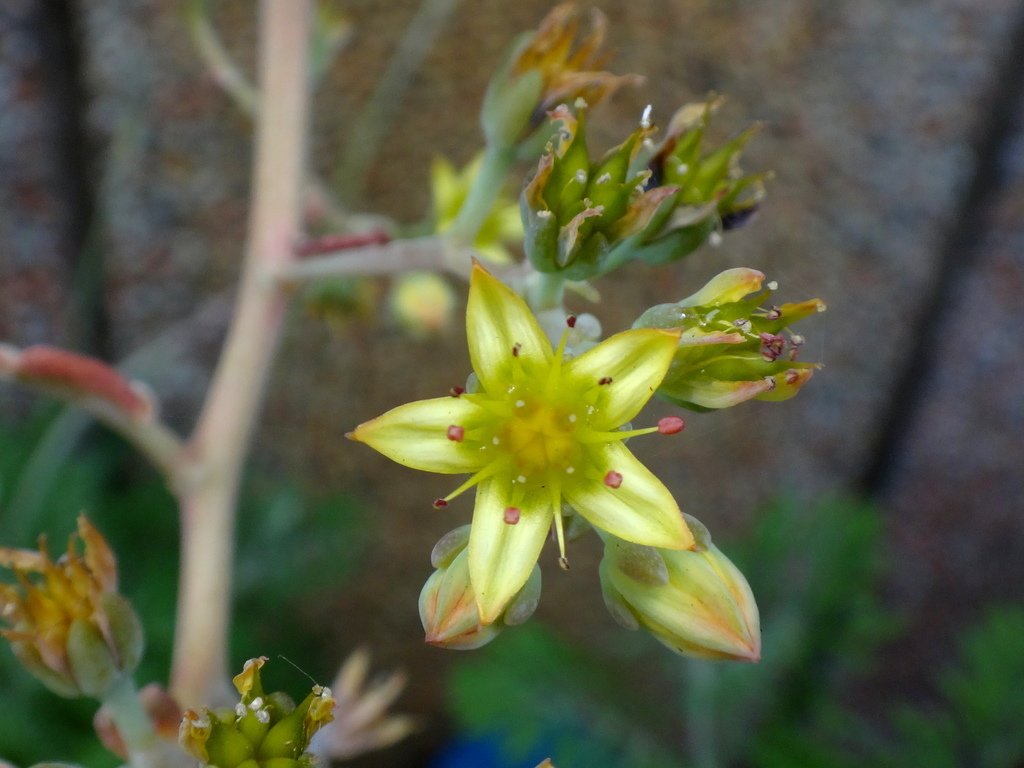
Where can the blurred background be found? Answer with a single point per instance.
(878, 515)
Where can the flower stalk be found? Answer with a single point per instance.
(218, 446)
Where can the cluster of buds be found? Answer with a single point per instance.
(704, 192)
(733, 347)
(67, 622)
(261, 731)
(655, 204)
(555, 64)
(448, 606)
(695, 602)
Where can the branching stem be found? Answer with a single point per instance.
(219, 444)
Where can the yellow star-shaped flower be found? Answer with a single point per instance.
(541, 438)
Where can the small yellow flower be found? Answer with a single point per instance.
(69, 625)
(542, 432)
(449, 189)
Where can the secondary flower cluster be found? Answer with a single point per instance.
(542, 434)
(639, 201)
(67, 622)
(733, 348)
(261, 731)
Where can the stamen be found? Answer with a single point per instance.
(512, 515)
(440, 503)
(263, 716)
(645, 118)
(792, 376)
(671, 425)
(456, 391)
(563, 563)
(604, 380)
(613, 479)
(456, 433)
(774, 313)
(483, 474)
(592, 438)
(516, 349)
(571, 321)
(555, 490)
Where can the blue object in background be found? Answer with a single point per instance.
(484, 752)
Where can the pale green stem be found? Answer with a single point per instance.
(133, 724)
(219, 444)
(221, 66)
(485, 190)
(545, 290)
(372, 124)
(701, 680)
(435, 254)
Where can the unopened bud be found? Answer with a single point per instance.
(547, 67)
(68, 624)
(448, 606)
(695, 602)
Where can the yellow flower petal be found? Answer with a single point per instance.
(498, 322)
(502, 556)
(632, 364)
(416, 435)
(640, 509)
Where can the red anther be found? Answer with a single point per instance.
(456, 433)
(516, 348)
(456, 391)
(571, 321)
(613, 479)
(773, 314)
(512, 515)
(671, 425)
(604, 380)
(771, 346)
(440, 503)
(792, 376)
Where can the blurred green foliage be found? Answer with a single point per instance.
(293, 548)
(816, 571)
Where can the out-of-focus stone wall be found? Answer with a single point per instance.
(869, 109)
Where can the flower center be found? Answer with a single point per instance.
(540, 438)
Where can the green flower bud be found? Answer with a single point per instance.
(732, 348)
(261, 731)
(576, 211)
(68, 624)
(447, 603)
(711, 193)
(544, 68)
(695, 602)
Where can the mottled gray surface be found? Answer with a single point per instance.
(869, 108)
